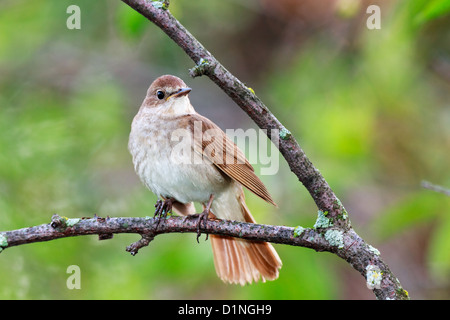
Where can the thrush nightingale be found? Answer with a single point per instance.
(184, 157)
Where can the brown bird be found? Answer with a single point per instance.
(183, 158)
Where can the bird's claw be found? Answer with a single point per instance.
(202, 217)
(163, 207)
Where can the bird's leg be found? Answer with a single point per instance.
(204, 216)
(163, 207)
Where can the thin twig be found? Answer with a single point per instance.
(435, 187)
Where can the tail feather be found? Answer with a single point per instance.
(237, 260)
(243, 261)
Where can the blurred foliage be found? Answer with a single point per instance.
(429, 10)
(369, 107)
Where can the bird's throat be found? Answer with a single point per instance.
(179, 106)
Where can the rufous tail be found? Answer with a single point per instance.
(243, 261)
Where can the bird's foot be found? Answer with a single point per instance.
(200, 217)
(204, 217)
(163, 207)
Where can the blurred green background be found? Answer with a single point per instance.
(369, 107)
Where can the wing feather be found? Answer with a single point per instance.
(215, 146)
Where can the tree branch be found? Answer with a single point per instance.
(347, 245)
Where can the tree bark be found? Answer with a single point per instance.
(347, 245)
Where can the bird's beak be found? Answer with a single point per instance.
(179, 93)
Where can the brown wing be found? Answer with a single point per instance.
(220, 150)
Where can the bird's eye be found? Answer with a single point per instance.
(160, 94)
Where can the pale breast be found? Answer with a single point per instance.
(165, 162)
